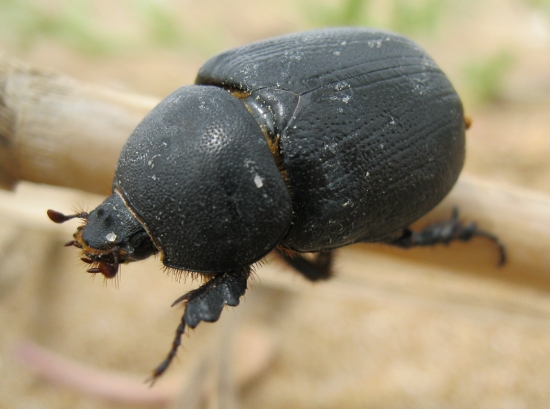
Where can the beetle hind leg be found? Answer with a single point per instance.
(318, 268)
(205, 304)
(443, 233)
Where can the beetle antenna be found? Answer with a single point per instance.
(58, 217)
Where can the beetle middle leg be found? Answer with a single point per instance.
(319, 268)
(205, 304)
(443, 233)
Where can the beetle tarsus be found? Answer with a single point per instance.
(159, 370)
(205, 304)
(443, 233)
(319, 268)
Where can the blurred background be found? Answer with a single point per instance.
(415, 336)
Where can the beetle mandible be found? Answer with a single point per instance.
(301, 143)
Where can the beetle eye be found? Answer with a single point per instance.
(142, 245)
(138, 239)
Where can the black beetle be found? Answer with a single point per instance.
(302, 143)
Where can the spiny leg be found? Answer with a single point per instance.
(443, 233)
(205, 304)
(320, 268)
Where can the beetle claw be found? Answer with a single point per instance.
(501, 248)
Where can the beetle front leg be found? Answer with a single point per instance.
(205, 304)
(443, 233)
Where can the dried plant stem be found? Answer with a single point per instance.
(56, 130)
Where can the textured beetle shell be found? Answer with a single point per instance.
(198, 173)
(375, 140)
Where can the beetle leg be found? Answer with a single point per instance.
(205, 304)
(320, 268)
(445, 232)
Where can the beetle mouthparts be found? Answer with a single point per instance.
(108, 270)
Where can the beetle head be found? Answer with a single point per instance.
(110, 235)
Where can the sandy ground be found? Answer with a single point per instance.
(386, 334)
